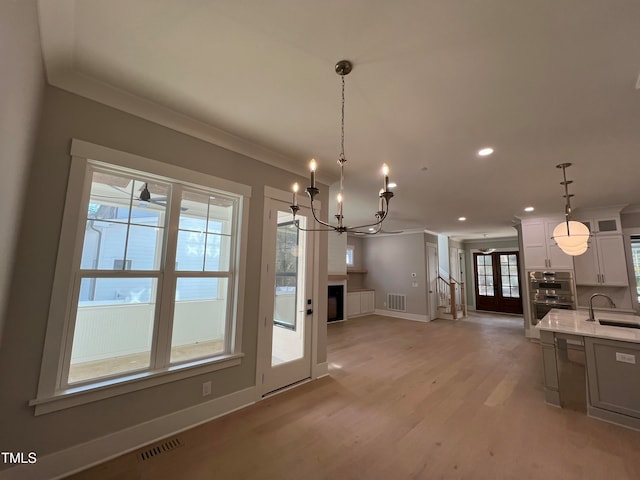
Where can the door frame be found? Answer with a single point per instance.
(497, 277)
(432, 298)
(263, 353)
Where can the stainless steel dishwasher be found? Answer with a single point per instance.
(572, 378)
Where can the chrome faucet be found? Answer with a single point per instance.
(592, 317)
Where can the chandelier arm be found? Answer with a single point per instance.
(374, 224)
(361, 232)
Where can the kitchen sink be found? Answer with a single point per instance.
(618, 323)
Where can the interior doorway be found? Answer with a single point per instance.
(497, 282)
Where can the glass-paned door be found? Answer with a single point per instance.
(286, 300)
(497, 282)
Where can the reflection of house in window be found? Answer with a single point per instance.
(286, 275)
(122, 264)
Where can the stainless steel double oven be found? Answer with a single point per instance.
(549, 290)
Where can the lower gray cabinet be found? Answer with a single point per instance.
(613, 369)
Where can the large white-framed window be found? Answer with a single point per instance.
(149, 278)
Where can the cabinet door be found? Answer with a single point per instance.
(610, 365)
(612, 261)
(558, 259)
(586, 266)
(607, 225)
(535, 245)
(353, 304)
(367, 302)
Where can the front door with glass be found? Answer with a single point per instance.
(497, 282)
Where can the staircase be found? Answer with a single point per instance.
(452, 300)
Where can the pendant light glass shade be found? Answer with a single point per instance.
(569, 235)
(575, 251)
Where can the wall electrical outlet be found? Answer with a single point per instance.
(206, 388)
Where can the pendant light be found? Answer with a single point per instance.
(343, 68)
(571, 236)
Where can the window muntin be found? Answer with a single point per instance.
(509, 275)
(120, 308)
(485, 275)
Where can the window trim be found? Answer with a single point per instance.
(49, 396)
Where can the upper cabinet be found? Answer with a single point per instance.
(608, 225)
(540, 250)
(604, 263)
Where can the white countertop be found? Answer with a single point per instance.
(575, 322)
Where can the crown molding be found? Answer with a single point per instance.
(57, 33)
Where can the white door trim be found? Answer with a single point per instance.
(263, 353)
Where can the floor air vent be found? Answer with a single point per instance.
(396, 302)
(158, 449)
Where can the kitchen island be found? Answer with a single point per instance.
(610, 360)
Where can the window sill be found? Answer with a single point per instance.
(74, 396)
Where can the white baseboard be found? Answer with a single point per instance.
(406, 316)
(320, 370)
(81, 457)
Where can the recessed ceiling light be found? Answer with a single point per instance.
(529, 209)
(485, 151)
(393, 185)
(462, 219)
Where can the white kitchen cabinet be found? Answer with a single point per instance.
(604, 263)
(361, 303)
(604, 225)
(540, 250)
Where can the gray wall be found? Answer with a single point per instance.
(390, 260)
(630, 220)
(65, 116)
(21, 86)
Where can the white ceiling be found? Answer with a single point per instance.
(542, 82)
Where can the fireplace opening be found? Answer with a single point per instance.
(335, 307)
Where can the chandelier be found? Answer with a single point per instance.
(343, 67)
(572, 237)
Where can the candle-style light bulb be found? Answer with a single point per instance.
(312, 166)
(339, 198)
(385, 173)
(295, 194)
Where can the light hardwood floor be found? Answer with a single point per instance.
(404, 400)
